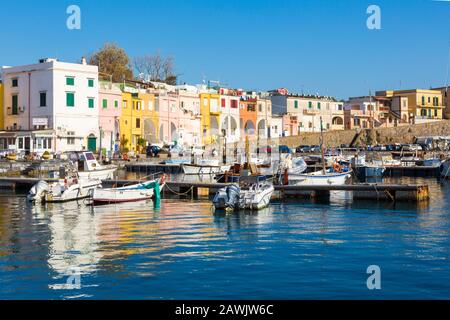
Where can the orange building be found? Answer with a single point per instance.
(248, 116)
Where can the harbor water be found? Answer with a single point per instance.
(181, 249)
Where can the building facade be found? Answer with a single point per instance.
(423, 105)
(110, 110)
(310, 110)
(51, 106)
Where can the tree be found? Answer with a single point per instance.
(114, 61)
(156, 67)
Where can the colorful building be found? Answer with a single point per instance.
(424, 105)
(51, 106)
(150, 116)
(310, 110)
(446, 100)
(131, 126)
(248, 116)
(210, 111)
(110, 110)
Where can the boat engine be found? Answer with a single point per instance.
(38, 191)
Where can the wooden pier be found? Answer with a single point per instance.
(367, 191)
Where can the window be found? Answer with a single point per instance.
(90, 83)
(435, 112)
(310, 105)
(124, 104)
(91, 103)
(150, 105)
(224, 103)
(138, 123)
(234, 104)
(260, 107)
(43, 99)
(318, 105)
(423, 100)
(70, 99)
(15, 104)
(296, 104)
(15, 83)
(116, 104)
(71, 140)
(70, 81)
(105, 103)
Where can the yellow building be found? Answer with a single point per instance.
(131, 125)
(2, 112)
(150, 117)
(210, 111)
(423, 104)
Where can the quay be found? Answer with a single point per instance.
(367, 191)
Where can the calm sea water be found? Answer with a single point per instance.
(183, 250)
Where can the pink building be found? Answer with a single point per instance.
(110, 101)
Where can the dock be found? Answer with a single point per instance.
(366, 191)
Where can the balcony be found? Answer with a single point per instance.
(311, 112)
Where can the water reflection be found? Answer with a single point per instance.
(184, 249)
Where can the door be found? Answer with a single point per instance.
(92, 143)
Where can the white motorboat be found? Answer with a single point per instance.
(137, 192)
(251, 195)
(64, 190)
(204, 167)
(89, 168)
(445, 169)
(319, 178)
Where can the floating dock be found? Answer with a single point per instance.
(367, 191)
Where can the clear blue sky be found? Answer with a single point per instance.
(316, 45)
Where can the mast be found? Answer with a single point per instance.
(321, 147)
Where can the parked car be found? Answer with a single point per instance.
(266, 149)
(153, 151)
(303, 149)
(379, 147)
(315, 148)
(411, 148)
(284, 149)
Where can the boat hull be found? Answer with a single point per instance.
(193, 169)
(132, 193)
(101, 174)
(319, 179)
(73, 193)
(445, 169)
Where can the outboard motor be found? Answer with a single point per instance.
(38, 192)
(233, 193)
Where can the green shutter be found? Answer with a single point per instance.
(296, 104)
(318, 105)
(70, 81)
(116, 104)
(91, 83)
(105, 103)
(91, 103)
(15, 105)
(310, 105)
(70, 99)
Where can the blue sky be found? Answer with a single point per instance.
(317, 46)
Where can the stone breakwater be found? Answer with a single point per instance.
(402, 134)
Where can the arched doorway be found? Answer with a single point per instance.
(262, 128)
(174, 132)
(150, 131)
(214, 127)
(249, 127)
(338, 121)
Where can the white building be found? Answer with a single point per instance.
(309, 109)
(51, 106)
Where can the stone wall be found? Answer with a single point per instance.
(403, 134)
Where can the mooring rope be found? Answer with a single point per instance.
(178, 193)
